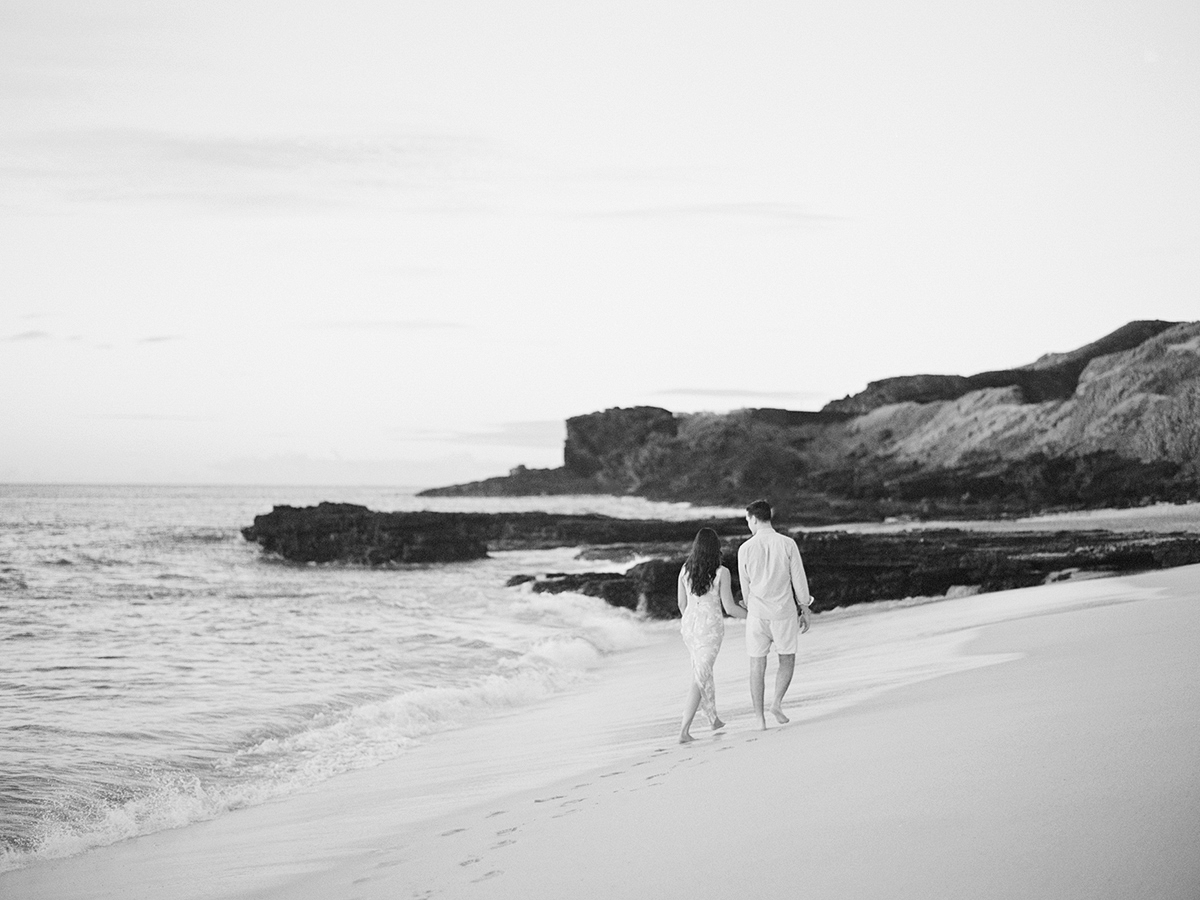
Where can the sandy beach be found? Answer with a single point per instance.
(1033, 743)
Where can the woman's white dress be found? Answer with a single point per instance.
(703, 629)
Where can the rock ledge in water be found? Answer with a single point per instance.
(846, 568)
(348, 533)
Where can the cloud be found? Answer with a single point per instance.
(421, 171)
(779, 212)
(29, 336)
(412, 271)
(387, 325)
(152, 417)
(734, 393)
(300, 469)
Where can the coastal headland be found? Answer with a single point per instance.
(1113, 423)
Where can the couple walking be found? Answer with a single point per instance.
(775, 591)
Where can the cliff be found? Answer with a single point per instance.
(1116, 422)
(1053, 377)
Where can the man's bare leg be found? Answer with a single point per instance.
(758, 676)
(783, 680)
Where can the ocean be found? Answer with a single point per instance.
(157, 670)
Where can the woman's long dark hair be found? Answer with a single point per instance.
(703, 561)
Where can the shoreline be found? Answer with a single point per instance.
(577, 768)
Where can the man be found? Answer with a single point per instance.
(775, 591)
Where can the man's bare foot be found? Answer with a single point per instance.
(717, 725)
(779, 716)
(685, 738)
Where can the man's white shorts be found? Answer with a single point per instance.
(761, 633)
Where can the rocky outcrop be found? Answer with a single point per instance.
(648, 587)
(347, 533)
(1053, 377)
(523, 482)
(598, 444)
(846, 568)
(1137, 403)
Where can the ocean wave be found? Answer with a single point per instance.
(609, 629)
(331, 742)
(12, 580)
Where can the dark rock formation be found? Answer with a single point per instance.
(848, 568)
(648, 586)
(522, 482)
(844, 568)
(1053, 377)
(656, 580)
(612, 587)
(795, 418)
(598, 443)
(1035, 482)
(901, 389)
(344, 532)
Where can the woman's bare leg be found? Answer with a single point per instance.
(690, 705)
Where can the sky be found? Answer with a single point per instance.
(400, 242)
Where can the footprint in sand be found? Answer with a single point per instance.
(499, 844)
(567, 812)
(585, 784)
(498, 812)
(506, 831)
(656, 775)
(569, 802)
(390, 864)
(469, 862)
(548, 799)
(486, 875)
(611, 774)
(451, 831)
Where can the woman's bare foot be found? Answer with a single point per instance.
(685, 738)
(762, 723)
(718, 724)
(779, 716)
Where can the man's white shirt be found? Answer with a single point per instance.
(772, 575)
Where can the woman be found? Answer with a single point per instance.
(703, 591)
